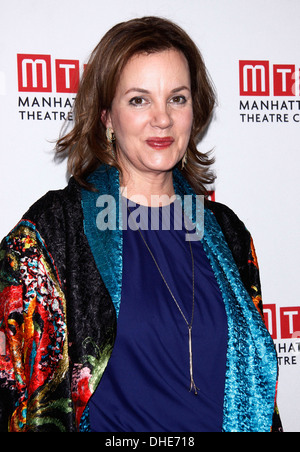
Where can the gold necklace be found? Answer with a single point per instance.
(193, 386)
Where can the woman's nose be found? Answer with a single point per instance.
(161, 116)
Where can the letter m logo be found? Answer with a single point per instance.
(254, 78)
(34, 73)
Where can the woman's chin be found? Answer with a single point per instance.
(161, 165)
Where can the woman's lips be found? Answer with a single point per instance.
(160, 143)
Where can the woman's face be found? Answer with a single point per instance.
(152, 112)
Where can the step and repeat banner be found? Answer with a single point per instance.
(252, 53)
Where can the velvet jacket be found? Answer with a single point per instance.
(59, 310)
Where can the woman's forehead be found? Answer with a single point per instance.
(167, 69)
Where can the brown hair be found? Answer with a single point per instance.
(86, 144)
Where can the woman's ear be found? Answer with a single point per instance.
(106, 118)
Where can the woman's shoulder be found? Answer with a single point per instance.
(240, 243)
(234, 230)
(231, 225)
(225, 216)
(50, 217)
(57, 215)
(55, 205)
(48, 225)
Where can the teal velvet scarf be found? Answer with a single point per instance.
(251, 371)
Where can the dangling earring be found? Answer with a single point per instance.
(184, 160)
(110, 136)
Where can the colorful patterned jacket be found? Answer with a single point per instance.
(57, 318)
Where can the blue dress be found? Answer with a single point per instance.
(145, 387)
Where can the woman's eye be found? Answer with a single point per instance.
(138, 101)
(178, 100)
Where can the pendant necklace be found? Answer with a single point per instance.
(189, 325)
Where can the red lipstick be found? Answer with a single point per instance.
(160, 143)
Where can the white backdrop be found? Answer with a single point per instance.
(256, 145)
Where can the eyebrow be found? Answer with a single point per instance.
(145, 91)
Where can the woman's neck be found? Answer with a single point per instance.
(148, 188)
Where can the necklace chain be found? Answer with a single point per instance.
(193, 386)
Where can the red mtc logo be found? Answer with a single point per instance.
(289, 321)
(255, 79)
(35, 74)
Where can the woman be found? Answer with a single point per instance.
(137, 328)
